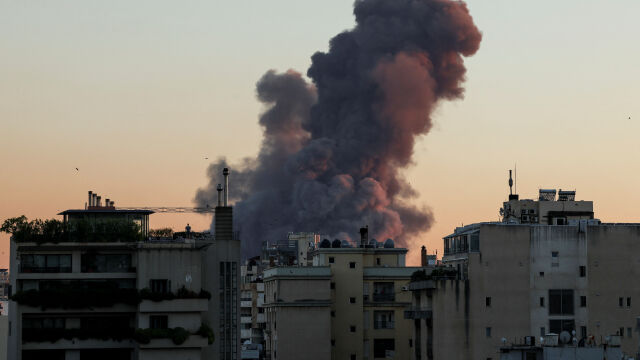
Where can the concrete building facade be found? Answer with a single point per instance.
(548, 267)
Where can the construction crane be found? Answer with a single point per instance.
(171, 209)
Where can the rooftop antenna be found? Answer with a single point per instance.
(510, 184)
(515, 175)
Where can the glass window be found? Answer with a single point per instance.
(160, 286)
(560, 302)
(158, 321)
(383, 320)
(383, 291)
(384, 348)
(558, 326)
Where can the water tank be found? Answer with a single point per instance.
(388, 244)
(325, 244)
(336, 243)
(373, 243)
(345, 244)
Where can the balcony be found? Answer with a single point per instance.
(383, 324)
(245, 320)
(417, 313)
(246, 304)
(74, 344)
(384, 297)
(245, 333)
(193, 341)
(175, 305)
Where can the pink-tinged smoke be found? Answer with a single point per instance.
(333, 150)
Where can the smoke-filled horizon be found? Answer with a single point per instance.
(332, 151)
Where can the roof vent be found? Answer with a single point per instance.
(566, 195)
(547, 195)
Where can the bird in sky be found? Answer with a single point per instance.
(206, 158)
(77, 169)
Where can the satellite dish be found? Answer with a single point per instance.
(565, 337)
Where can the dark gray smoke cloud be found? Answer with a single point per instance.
(332, 152)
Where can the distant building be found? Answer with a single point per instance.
(4, 284)
(352, 298)
(292, 251)
(548, 267)
(252, 311)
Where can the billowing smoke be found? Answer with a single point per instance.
(332, 152)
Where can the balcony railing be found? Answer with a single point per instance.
(384, 297)
(417, 313)
(379, 324)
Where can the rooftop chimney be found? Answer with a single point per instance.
(225, 172)
(364, 236)
(423, 256)
(90, 202)
(99, 202)
(219, 188)
(94, 202)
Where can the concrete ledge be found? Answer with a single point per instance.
(193, 341)
(76, 344)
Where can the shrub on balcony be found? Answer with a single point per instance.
(182, 293)
(177, 335)
(206, 332)
(54, 334)
(76, 297)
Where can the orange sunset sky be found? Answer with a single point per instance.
(136, 95)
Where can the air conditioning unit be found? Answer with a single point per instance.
(551, 339)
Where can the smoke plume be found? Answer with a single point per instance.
(332, 152)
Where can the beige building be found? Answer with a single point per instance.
(548, 267)
(104, 287)
(362, 288)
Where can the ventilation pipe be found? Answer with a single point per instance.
(90, 202)
(364, 236)
(225, 172)
(94, 202)
(219, 188)
(99, 202)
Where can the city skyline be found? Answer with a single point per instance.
(142, 127)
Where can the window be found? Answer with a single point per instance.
(383, 348)
(383, 291)
(560, 302)
(333, 285)
(554, 254)
(583, 271)
(333, 342)
(410, 342)
(475, 242)
(383, 320)
(558, 326)
(352, 265)
(365, 291)
(487, 301)
(583, 301)
(620, 300)
(629, 334)
(333, 314)
(39, 263)
(101, 263)
(352, 328)
(542, 332)
(541, 274)
(352, 300)
(487, 331)
(628, 302)
(332, 260)
(621, 331)
(542, 301)
(377, 261)
(353, 356)
(583, 332)
(159, 321)
(160, 286)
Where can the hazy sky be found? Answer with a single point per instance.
(137, 94)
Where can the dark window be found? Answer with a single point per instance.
(487, 331)
(560, 302)
(377, 261)
(487, 301)
(333, 285)
(331, 260)
(383, 346)
(541, 273)
(558, 326)
(554, 254)
(333, 314)
(159, 321)
(620, 301)
(561, 221)
(50, 263)
(333, 342)
(352, 265)
(101, 263)
(628, 302)
(542, 301)
(583, 332)
(410, 342)
(583, 301)
(542, 332)
(160, 286)
(43, 354)
(352, 300)
(475, 242)
(353, 356)
(621, 331)
(629, 332)
(383, 291)
(352, 328)
(583, 271)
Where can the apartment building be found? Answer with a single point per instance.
(252, 311)
(100, 285)
(548, 267)
(362, 288)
